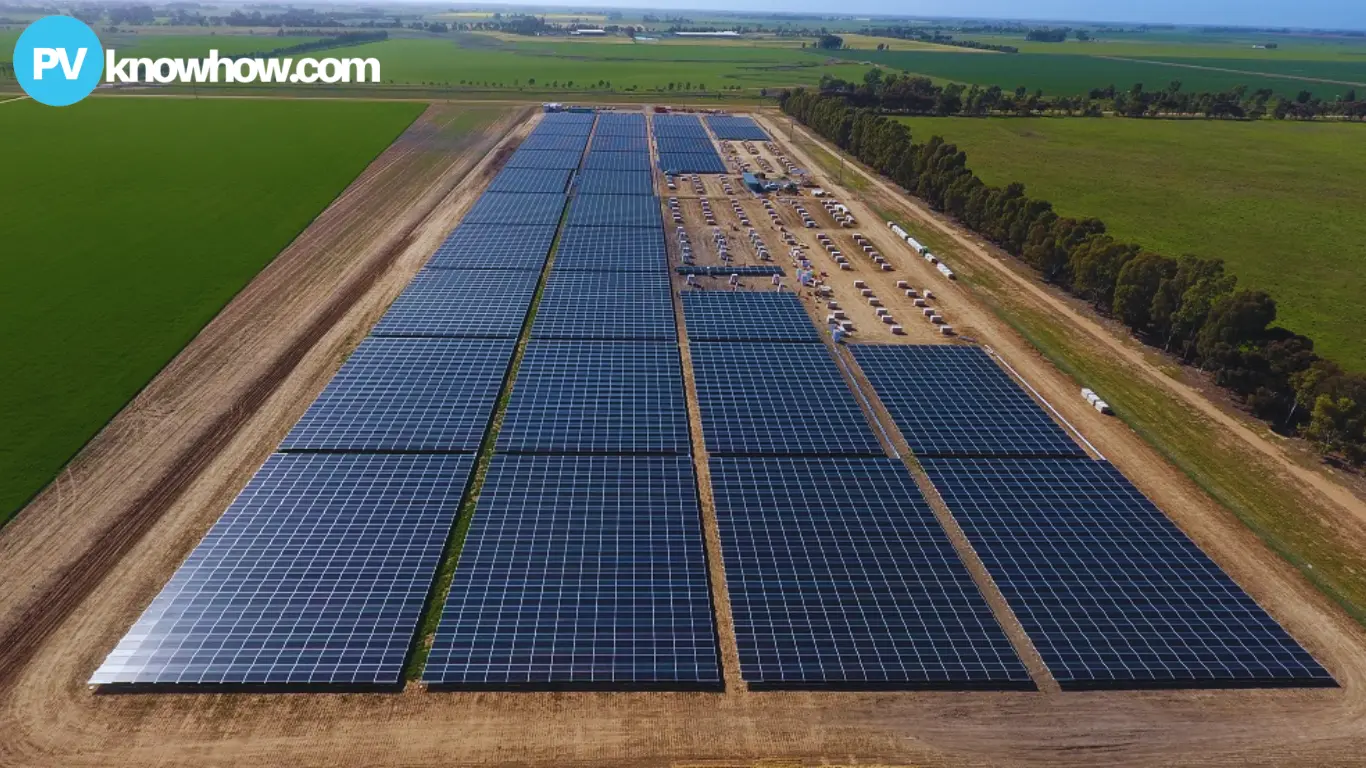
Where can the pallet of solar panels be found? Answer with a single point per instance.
(945, 271)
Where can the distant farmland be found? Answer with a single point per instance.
(1074, 75)
(480, 60)
(136, 221)
(1281, 203)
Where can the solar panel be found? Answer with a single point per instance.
(610, 249)
(615, 211)
(746, 316)
(839, 575)
(691, 163)
(580, 571)
(597, 397)
(1111, 593)
(544, 159)
(735, 128)
(511, 208)
(315, 575)
(955, 401)
(617, 161)
(616, 183)
(531, 180)
(562, 124)
(468, 303)
(620, 124)
(768, 398)
(635, 142)
(685, 145)
(407, 395)
(556, 142)
(495, 246)
(678, 125)
(606, 305)
(728, 270)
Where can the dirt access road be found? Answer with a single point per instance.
(48, 717)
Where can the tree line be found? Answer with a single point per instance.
(930, 35)
(1189, 306)
(916, 95)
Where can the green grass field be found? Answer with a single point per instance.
(1281, 203)
(195, 46)
(128, 224)
(480, 59)
(1072, 75)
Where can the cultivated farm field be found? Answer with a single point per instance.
(486, 61)
(1075, 75)
(1281, 203)
(152, 237)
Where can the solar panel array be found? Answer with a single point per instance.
(495, 246)
(691, 162)
(545, 159)
(531, 180)
(606, 305)
(1110, 591)
(581, 571)
(620, 124)
(584, 563)
(610, 249)
(574, 123)
(621, 142)
(615, 211)
(407, 395)
(840, 575)
(617, 161)
(461, 303)
(771, 398)
(955, 401)
(735, 128)
(727, 271)
(746, 316)
(513, 208)
(673, 126)
(556, 142)
(684, 146)
(615, 183)
(597, 397)
(316, 575)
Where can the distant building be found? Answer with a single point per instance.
(589, 33)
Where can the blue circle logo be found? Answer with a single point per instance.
(58, 60)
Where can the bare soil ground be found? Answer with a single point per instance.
(204, 425)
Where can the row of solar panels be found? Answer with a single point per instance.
(684, 146)
(318, 571)
(584, 564)
(735, 128)
(1109, 590)
(839, 574)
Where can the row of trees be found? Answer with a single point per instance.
(929, 35)
(1188, 306)
(906, 94)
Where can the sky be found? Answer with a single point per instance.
(1331, 14)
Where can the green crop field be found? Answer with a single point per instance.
(1071, 75)
(1282, 203)
(124, 235)
(196, 46)
(482, 59)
